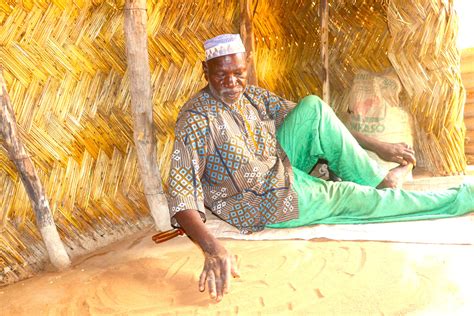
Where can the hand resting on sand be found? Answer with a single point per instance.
(219, 264)
(217, 271)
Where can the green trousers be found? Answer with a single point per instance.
(312, 131)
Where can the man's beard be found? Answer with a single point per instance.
(221, 95)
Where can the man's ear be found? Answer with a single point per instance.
(247, 57)
(205, 70)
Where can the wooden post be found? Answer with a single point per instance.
(142, 108)
(246, 32)
(17, 153)
(324, 11)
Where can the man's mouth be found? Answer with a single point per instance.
(232, 94)
(228, 96)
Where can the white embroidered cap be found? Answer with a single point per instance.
(225, 44)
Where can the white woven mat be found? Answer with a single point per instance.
(459, 230)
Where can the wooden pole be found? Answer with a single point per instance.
(17, 153)
(142, 108)
(324, 11)
(246, 32)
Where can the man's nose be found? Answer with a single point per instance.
(230, 81)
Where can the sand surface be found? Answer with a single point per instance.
(137, 277)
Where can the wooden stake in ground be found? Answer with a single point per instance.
(140, 90)
(246, 32)
(324, 11)
(17, 153)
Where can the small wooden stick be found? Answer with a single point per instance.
(167, 235)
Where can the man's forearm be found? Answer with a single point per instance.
(400, 153)
(365, 141)
(191, 222)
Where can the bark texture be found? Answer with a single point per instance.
(246, 32)
(324, 10)
(142, 108)
(17, 153)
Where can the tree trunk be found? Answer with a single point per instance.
(140, 90)
(246, 32)
(17, 153)
(324, 11)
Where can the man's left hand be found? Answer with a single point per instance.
(400, 153)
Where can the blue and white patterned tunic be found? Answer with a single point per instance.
(227, 158)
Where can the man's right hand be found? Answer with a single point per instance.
(218, 269)
(219, 264)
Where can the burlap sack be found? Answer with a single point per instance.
(375, 110)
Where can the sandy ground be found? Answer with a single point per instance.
(137, 277)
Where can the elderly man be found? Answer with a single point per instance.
(245, 154)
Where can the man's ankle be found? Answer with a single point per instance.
(395, 177)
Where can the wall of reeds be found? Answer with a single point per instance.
(66, 72)
(467, 74)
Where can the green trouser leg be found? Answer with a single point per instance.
(312, 131)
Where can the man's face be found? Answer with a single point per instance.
(227, 77)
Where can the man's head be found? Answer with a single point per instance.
(225, 67)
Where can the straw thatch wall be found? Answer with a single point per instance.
(467, 73)
(424, 54)
(66, 73)
(65, 68)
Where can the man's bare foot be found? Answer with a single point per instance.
(395, 177)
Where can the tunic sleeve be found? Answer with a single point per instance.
(277, 107)
(187, 165)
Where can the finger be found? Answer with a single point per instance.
(399, 160)
(407, 146)
(211, 284)
(234, 270)
(202, 281)
(226, 275)
(410, 158)
(404, 145)
(219, 288)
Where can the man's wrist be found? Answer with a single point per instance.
(192, 224)
(211, 246)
